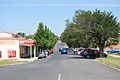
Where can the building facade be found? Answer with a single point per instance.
(13, 46)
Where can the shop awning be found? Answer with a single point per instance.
(27, 44)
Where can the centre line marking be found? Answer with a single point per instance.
(59, 76)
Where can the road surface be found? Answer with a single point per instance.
(59, 67)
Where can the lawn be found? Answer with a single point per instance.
(9, 62)
(111, 60)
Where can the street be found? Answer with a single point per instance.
(59, 67)
(60, 40)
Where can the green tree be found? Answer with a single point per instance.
(44, 37)
(21, 34)
(94, 27)
(30, 36)
(39, 36)
(74, 36)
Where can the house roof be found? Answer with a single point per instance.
(28, 42)
(22, 41)
(10, 38)
(10, 33)
(7, 32)
(113, 47)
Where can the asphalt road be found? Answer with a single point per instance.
(59, 67)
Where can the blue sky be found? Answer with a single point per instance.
(24, 15)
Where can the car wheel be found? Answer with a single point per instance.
(44, 56)
(88, 56)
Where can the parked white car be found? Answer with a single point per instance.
(42, 55)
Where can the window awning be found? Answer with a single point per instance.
(27, 44)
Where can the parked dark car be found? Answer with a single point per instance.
(63, 50)
(91, 53)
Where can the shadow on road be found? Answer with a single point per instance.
(71, 54)
(76, 57)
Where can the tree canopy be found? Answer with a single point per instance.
(91, 28)
(22, 34)
(44, 37)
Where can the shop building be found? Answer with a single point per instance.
(13, 46)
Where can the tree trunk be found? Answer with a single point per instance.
(101, 48)
(101, 45)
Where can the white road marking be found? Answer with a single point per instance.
(59, 76)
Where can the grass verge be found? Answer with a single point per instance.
(110, 60)
(10, 62)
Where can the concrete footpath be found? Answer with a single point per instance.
(28, 59)
(113, 55)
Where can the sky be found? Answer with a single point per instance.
(25, 15)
